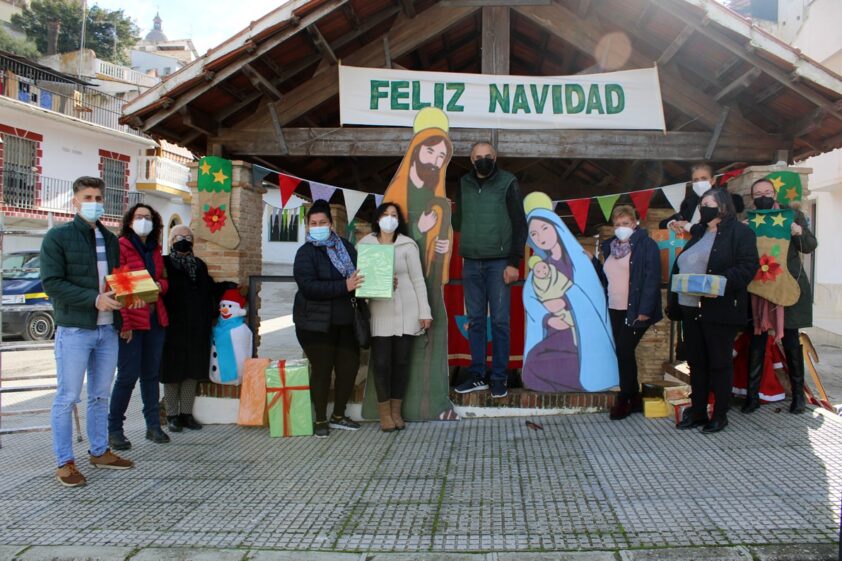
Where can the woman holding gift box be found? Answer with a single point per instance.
(144, 327)
(722, 247)
(326, 274)
(396, 321)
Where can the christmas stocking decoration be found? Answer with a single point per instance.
(214, 186)
(773, 281)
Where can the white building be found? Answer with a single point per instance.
(159, 55)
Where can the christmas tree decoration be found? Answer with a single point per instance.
(214, 186)
(773, 280)
(787, 186)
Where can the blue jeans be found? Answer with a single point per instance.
(485, 290)
(77, 351)
(140, 359)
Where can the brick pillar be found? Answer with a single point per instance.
(741, 185)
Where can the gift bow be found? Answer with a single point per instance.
(122, 280)
(284, 392)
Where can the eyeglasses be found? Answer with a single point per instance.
(182, 238)
(140, 217)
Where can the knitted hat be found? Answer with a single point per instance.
(233, 295)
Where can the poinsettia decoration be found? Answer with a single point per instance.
(214, 218)
(769, 269)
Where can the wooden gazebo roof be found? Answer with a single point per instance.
(732, 92)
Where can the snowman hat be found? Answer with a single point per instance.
(233, 295)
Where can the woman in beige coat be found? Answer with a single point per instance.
(396, 321)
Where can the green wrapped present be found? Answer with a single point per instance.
(699, 285)
(377, 264)
(288, 398)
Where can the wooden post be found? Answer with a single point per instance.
(496, 45)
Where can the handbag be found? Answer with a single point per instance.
(362, 323)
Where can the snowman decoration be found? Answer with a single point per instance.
(231, 340)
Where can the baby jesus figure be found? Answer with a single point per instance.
(550, 286)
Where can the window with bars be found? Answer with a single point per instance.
(283, 225)
(114, 175)
(20, 172)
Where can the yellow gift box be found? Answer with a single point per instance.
(654, 407)
(129, 285)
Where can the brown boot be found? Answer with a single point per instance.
(386, 422)
(396, 413)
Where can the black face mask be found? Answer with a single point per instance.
(183, 246)
(484, 166)
(764, 203)
(707, 213)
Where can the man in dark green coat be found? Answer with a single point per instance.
(75, 258)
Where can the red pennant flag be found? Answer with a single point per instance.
(287, 183)
(729, 175)
(579, 208)
(641, 200)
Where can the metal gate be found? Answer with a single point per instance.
(114, 175)
(19, 171)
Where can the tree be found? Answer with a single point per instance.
(109, 33)
(17, 46)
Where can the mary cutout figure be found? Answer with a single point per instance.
(569, 346)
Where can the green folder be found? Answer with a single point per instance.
(377, 264)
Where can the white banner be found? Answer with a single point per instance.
(629, 99)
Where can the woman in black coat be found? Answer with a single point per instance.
(192, 307)
(326, 275)
(631, 274)
(721, 246)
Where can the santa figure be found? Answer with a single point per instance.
(231, 340)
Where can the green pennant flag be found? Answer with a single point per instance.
(606, 203)
(787, 186)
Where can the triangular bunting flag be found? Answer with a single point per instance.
(288, 184)
(729, 175)
(606, 203)
(259, 173)
(674, 194)
(321, 191)
(579, 208)
(641, 201)
(378, 200)
(353, 201)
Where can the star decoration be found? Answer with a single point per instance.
(791, 193)
(205, 167)
(777, 182)
(219, 177)
(778, 220)
(758, 220)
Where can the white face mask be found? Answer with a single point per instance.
(623, 233)
(701, 187)
(388, 224)
(142, 227)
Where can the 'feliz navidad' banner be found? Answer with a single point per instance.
(629, 99)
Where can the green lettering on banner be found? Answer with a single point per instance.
(558, 104)
(594, 100)
(496, 98)
(416, 97)
(539, 102)
(520, 101)
(397, 95)
(579, 91)
(458, 88)
(615, 98)
(377, 94)
(438, 96)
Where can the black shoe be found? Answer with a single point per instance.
(715, 425)
(343, 423)
(174, 423)
(118, 441)
(498, 389)
(688, 421)
(321, 430)
(750, 406)
(157, 436)
(795, 366)
(189, 421)
(472, 385)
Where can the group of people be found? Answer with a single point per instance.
(167, 341)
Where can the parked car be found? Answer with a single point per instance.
(27, 311)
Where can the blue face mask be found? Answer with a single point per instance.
(91, 211)
(320, 233)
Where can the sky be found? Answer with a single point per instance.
(206, 22)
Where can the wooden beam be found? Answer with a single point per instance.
(676, 44)
(198, 121)
(261, 83)
(321, 44)
(717, 133)
(352, 16)
(568, 144)
(387, 53)
(487, 3)
(806, 124)
(232, 91)
(769, 93)
(738, 85)
(496, 40)
(583, 8)
(283, 150)
(408, 8)
(273, 66)
(571, 169)
(727, 67)
(645, 15)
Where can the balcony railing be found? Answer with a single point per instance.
(30, 191)
(123, 74)
(58, 93)
(154, 169)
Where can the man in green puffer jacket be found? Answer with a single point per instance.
(75, 258)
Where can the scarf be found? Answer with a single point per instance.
(619, 249)
(185, 262)
(146, 251)
(337, 253)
